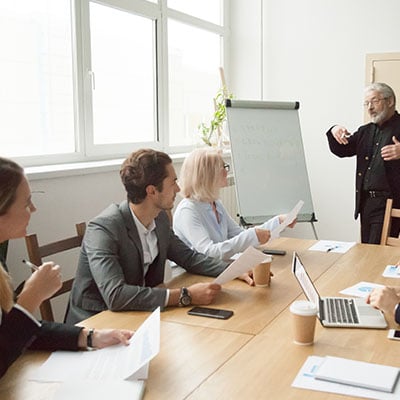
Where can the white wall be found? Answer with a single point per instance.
(314, 52)
(65, 201)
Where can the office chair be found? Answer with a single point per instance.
(387, 223)
(36, 253)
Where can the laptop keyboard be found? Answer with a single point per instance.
(341, 310)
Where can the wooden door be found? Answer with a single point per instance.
(384, 67)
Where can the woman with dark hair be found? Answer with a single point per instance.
(19, 329)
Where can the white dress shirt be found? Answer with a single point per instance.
(149, 242)
(196, 224)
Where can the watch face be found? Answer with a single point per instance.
(186, 300)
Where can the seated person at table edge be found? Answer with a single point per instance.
(201, 220)
(386, 299)
(19, 329)
(125, 247)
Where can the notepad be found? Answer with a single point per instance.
(358, 373)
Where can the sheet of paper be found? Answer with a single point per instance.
(392, 271)
(328, 246)
(361, 289)
(103, 390)
(112, 363)
(290, 217)
(305, 380)
(244, 263)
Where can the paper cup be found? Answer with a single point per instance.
(262, 272)
(304, 315)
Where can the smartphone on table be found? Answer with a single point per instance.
(210, 312)
(394, 334)
(274, 252)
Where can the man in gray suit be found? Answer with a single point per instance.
(125, 247)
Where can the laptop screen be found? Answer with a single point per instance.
(305, 281)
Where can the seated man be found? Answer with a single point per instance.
(125, 247)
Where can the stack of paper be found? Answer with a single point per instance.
(358, 373)
(117, 369)
(349, 378)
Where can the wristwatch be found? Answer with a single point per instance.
(184, 298)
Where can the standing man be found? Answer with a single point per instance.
(377, 147)
(125, 247)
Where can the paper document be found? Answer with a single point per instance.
(100, 390)
(117, 362)
(361, 289)
(305, 379)
(244, 263)
(392, 271)
(358, 373)
(328, 246)
(290, 217)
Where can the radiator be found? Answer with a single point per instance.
(228, 198)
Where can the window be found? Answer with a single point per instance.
(95, 79)
(37, 86)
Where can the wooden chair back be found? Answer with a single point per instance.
(36, 253)
(390, 213)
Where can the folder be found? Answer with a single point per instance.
(358, 373)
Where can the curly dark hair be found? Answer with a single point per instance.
(143, 168)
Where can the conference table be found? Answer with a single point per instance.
(251, 355)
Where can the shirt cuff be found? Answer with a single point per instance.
(166, 298)
(397, 313)
(28, 314)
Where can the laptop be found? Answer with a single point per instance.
(338, 312)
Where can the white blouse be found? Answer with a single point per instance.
(196, 224)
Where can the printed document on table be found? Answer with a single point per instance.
(100, 390)
(305, 379)
(392, 271)
(117, 362)
(244, 263)
(333, 246)
(361, 289)
(290, 217)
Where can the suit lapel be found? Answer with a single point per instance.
(131, 229)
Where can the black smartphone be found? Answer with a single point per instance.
(274, 252)
(210, 312)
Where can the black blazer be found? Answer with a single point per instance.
(18, 332)
(359, 145)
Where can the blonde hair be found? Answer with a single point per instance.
(6, 292)
(200, 175)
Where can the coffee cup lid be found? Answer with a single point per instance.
(303, 307)
(268, 258)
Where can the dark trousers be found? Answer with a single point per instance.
(372, 213)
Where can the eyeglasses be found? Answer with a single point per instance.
(227, 167)
(373, 102)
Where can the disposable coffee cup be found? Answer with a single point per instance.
(304, 315)
(262, 272)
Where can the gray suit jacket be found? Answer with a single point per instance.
(110, 272)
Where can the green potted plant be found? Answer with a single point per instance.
(212, 133)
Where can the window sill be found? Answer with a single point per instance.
(89, 167)
(81, 168)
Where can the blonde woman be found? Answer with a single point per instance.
(201, 220)
(19, 329)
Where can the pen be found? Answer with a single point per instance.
(331, 248)
(30, 265)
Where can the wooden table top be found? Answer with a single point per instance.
(251, 355)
